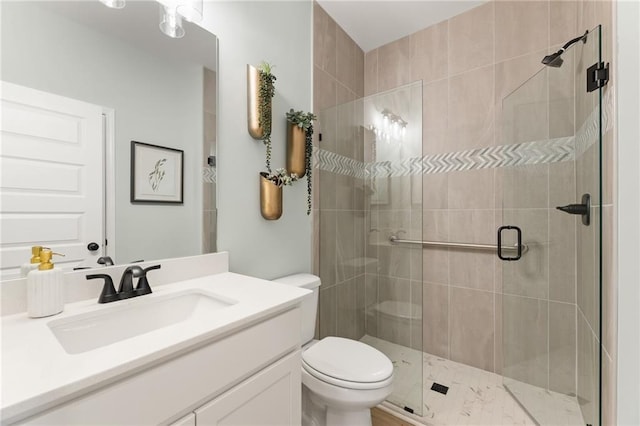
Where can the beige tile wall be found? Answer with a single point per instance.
(338, 200)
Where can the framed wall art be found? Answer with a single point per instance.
(157, 174)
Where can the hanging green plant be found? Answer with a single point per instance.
(266, 93)
(304, 120)
(280, 177)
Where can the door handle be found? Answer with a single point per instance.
(518, 244)
(93, 246)
(583, 209)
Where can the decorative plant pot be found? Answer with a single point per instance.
(253, 102)
(296, 146)
(270, 198)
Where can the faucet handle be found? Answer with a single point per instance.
(151, 268)
(126, 282)
(108, 290)
(143, 286)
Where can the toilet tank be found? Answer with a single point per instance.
(309, 305)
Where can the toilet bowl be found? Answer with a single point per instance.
(342, 379)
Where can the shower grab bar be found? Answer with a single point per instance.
(467, 246)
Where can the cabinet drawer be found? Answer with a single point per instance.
(172, 389)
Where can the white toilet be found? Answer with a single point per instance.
(342, 378)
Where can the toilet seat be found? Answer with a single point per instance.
(345, 383)
(348, 364)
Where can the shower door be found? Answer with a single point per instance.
(551, 140)
(370, 180)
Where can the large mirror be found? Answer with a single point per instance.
(61, 63)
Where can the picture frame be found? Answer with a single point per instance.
(157, 174)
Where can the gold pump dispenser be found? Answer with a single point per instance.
(45, 287)
(35, 254)
(45, 259)
(33, 263)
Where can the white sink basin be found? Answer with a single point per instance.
(88, 331)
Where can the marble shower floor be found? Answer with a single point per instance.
(475, 396)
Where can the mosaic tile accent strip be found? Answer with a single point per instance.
(209, 174)
(537, 152)
(338, 164)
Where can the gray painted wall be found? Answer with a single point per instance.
(248, 33)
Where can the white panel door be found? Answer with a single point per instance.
(51, 179)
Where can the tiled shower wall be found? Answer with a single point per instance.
(467, 64)
(338, 210)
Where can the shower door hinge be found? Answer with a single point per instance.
(597, 76)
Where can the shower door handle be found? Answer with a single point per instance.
(518, 244)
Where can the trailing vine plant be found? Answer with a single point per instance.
(265, 94)
(305, 121)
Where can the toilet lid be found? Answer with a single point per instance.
(348, 360)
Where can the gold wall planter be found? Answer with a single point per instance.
(253, 102)
(296, 146)
(270, 198)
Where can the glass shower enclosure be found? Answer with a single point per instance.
(370, 175)
(552, 127)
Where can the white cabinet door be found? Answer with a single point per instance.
(272, 397)
(188, 420)
(51, 186)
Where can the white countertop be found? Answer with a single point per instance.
(37, 373)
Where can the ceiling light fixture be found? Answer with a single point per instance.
(392, 127)
(171, 21)
(173, 11)
(114, 4)
(171, 14)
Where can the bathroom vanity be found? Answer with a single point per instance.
(221, 348)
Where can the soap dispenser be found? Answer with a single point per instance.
(33, 263)
(45, 288)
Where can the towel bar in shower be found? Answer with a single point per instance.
(465, 246)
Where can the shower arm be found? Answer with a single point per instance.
(573, 41)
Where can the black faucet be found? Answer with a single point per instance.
(125, 289)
